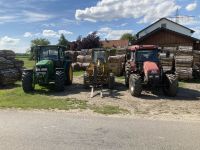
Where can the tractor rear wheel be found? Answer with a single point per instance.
(111, 81)
(170, 85)
(59, 81)
(135, 85)
(69, 76)
(27, 82)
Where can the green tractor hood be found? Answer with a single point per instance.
(46, 64)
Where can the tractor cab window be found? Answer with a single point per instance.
(99, 55)
(50, 53)
(61, 53)
(147, 55)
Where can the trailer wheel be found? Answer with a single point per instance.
(135, 85)
(170, 85)
(27, 82)
(59, 81)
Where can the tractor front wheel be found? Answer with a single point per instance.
(59, 81)
(111, 81)
(69, 75)
(135, 85)
(170, 85)
(27, 82)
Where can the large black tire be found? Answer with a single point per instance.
(127, 79)
(111, 81)
(170, 85)
(69, 75)
(85, 81)
(59, 81)
(135, 85)
(27, 82)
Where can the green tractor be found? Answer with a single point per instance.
(52, 66)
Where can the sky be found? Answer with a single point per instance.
(24, 20)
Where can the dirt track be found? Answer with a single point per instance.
(187, 102)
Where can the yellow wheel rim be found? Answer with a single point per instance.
(70, 73)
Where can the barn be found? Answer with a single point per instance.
(165, 32)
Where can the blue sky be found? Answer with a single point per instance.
(23, 20)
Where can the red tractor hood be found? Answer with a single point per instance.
(150, 67)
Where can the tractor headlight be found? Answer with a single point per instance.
(151, 76)
(43, 69)
(154, 72)
(37, 69)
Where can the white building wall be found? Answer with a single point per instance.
(169, 25)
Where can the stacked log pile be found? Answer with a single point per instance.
(10, 68)
(72, 55)
(171, 50)
(183, 66)
(196, 56)
(83, 60)
(116, 64)
(185, 51)
(166, 61)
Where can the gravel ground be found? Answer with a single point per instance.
(186, 104)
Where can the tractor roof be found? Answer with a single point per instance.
(142, 47)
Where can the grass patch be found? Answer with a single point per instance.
(14, 97)
(182, 84)
(120, 78)
(27, 63)
(78, 73)
(110, 110)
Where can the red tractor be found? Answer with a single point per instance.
(143, 69)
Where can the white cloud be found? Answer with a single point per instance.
(124, 24)
(25, 16)
(35, 17)
(187, 21)
(5, 19)
(64, 32)
(10, 43)
(47, 33)
(52, 33)
(6, 41)
(145, 10)
(191, 7)
(28, 34)
(108, 33)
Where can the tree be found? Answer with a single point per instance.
(128, 36)
(63, 41)
(38, 41)
(91, 41)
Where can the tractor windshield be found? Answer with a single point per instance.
(99, 55)
(50, 53)
(147, 55)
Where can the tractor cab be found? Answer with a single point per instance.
(99, 55)
(49, 55)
